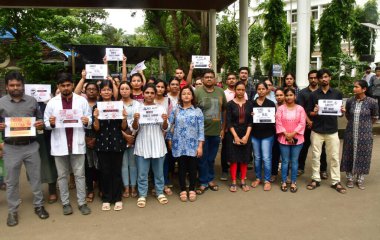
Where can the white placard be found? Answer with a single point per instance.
(151, 114)
(41, 92)
(96, 71)
(139, 67)
(330, 107)
(69, 118)
(114, 54)
(20, 126)
(200, 61)
(264, 115)
(110, 110)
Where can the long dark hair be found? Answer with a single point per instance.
(293, 76)
(106, 83)
(363, 84)
(180, 101)
(119, 97)
(165, 85)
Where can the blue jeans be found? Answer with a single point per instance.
(143, 165)
(289, 154)
(129, 169)
(206, 163)
(262, 150)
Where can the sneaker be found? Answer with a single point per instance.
(224, 176)
(67, 209)
(84, 209)
(324, 175)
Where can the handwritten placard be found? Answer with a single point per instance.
(114, 54)
(264, 115)
(96, 71)
(20, 126)
(330, 107)
(110, 110)
(151, 114)
(41, 92)
(200, 61)
(69, 118)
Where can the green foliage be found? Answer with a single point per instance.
(361, 35)
(228, 44)
(274, 24)
(255, 42)
(291, 65)
(334, 26)
(341, 72)
(280, 57)
(313, 36)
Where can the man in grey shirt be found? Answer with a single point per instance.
(18, 150)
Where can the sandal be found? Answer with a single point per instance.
(256, 183)
(52, 198)
(293, 188)
(201, 190)
(106, 206)
(162, 199)
(267, 186)
(213, 187)
(284, 187)
(90, 197)
(244, 187)
(360, 185)
(313, 185)
(350, 184)
(233, 187)
(126, 192)
(183, 196)
(339, 188)
(141, 202)
(192, 196)
(168, 191)
(273, 178)
(118, 206)
(134, 192)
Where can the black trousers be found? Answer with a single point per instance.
(110, 166)
(223, 156)
(303, 154)
(187, 164)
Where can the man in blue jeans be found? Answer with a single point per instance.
(212, 100)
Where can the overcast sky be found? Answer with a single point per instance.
(121, 18)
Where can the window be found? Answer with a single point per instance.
(294, 16)
(314, 12)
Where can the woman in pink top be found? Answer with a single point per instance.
(290, 126)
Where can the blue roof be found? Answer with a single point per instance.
(8, 35)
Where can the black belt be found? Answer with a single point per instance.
(19, 142)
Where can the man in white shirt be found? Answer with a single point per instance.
(68, 143)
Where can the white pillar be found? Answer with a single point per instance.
(303, 42)
(212, 38)
(243, 29)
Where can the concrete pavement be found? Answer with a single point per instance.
(319, 214)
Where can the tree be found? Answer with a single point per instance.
(274, 24)
(334, 26)
(361, 35)
(255, 42)
(228, 44)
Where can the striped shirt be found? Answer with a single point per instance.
(150, 142)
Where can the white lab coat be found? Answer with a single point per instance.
(58, 135)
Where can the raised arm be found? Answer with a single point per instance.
(79, 87)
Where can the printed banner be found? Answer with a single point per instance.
(114, 54)
(69, 118)
(41, 92)
(20, 126)
(110, 110)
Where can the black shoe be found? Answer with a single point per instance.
(12, 219)
(84, 209)
(41, 212)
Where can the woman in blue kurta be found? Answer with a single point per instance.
(186, 140)
(361, 113)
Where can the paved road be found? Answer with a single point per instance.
(319, 214)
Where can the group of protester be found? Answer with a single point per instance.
(120, 156)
